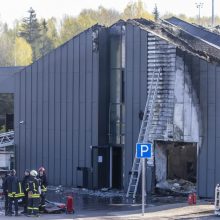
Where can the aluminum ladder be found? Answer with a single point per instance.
(6, 139)
(144, 133)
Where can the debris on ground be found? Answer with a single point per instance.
(176, 186)
(104, 193)
(54, 207)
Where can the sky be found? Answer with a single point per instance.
(17, 9)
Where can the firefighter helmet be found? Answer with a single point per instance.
(41, 169)
(33, 173)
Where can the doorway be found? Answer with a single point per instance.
(117, 167)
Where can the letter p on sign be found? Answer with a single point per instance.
(143, 150)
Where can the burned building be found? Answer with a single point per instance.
(82, 105)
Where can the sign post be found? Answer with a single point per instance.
(143, 185)
(143, 152)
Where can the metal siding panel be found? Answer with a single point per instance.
(63, 114)
(95, 95)
(17, 96)
(211, 131)
(22, 146)
(211, 151)
(40, 113)
(51, 118)
(57, 115)
(88, 98)
(217, 124)
(195, 78)
(34, 116)
(211, 84)
(128, 101)
(45, 158)
(203, 150)
(70, 65)
(217, 161)
(28, 122)
(217, 92)
(75, 110)
(143, 67)
(136, 86)
(82, 105)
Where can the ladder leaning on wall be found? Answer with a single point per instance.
(144, 132)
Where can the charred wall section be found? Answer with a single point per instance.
(58, 110)
(205, 78)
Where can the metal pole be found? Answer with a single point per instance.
(213, 13)
(143, 185)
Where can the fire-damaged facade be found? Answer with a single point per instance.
(82, 106)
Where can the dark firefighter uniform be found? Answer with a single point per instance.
(24, 184)
(15, 192)
(32, 188)
(5, 191)
(43, 186)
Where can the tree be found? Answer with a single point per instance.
(6, 49)
(30, 31)
(107, 16)
(45, 44)
(23, 52)
(69, 28)
(156, 13)
(52, 32)
(136, 10)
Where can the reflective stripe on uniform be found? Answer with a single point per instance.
(29, 208)
(35, 208)
(35, 196)
(44, 189)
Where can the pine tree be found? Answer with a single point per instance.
(156, 13)
(45, 44)
(30, 31)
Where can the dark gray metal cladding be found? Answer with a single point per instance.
(63, 100)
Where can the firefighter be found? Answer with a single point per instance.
(5, 191)
(14, 192)
(32, 188)
(24, 183)
(43, 186)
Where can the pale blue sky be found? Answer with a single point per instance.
(16, 9)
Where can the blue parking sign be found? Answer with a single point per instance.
(143, 150)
